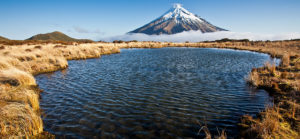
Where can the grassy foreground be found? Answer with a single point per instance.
(21, 60)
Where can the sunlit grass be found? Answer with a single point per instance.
(20, 60)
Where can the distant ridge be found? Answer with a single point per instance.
(3, 39)
(55, 36)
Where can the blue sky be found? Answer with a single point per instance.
(94, 19)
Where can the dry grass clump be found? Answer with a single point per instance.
(109, 50)
(12, 62)
(16, 77)
(24, 57)
(253, 78)
(284, 75)
(19, 106)
(274, 48)
(25, 95)
(208, 135)
(5, 53)
(43, 135)
(28, 50)
(77, 52)
(295, 61)
(4, 65)
(267, 81)
(285, 61)
(46, 64)
(39, 42)
(19, 95)
(51, 58)
(7, 62)
(38, 47)
(60, 46)
(271, 67)
(272, 123)
(297, 65)
(18, 121)
(282, 121)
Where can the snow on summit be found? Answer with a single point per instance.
(177, 20)
(179, 13)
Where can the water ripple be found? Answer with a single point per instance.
(151, 93)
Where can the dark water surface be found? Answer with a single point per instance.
(152, 93)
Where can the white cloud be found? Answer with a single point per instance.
(80, 30)
(196, 36)
(83, 30)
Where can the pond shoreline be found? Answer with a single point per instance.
(19, 86)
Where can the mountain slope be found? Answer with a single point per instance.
(177, 20)
(54, 36)
(3, 39)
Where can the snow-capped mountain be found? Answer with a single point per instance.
(177, 20)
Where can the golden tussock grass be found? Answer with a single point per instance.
(221, 135)
(16, 77)
(19, 120)
(19, 94)
(272, 123)
(20, 60)
(282, 120)
(4, 65)
(20, 104)
(285, 60)
(25, 95)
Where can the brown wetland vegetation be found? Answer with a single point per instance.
(19, 94)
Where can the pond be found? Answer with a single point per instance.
(152, 93)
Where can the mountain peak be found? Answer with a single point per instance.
(56, 32)
(177, 20)
(177, 5)
(55, 36)
(180, 14)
